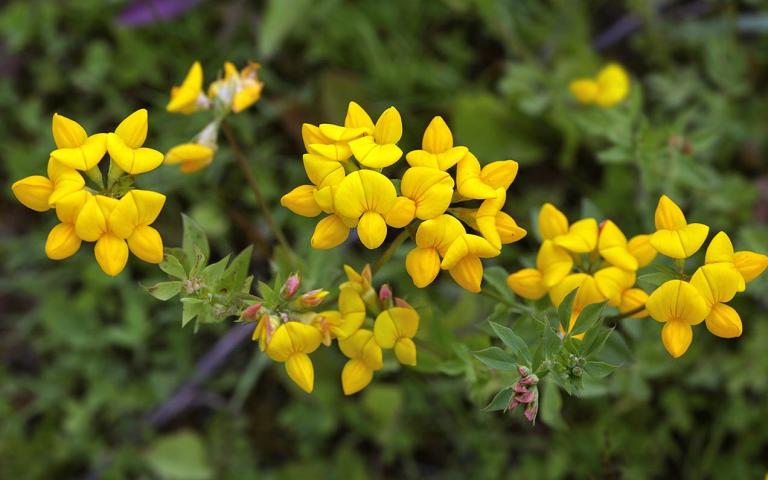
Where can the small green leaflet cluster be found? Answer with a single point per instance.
(209, 293)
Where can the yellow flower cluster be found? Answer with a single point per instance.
(601, 263)
(235, 92)
(116, 217)
(608, 88)
(290, 338)
(598, 260)
(344, 165)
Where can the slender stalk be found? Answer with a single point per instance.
(627, 314)
(391, 249)
(254, 186)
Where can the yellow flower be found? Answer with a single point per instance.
(264, 330)
(749, 264)
(131, 218)
(365, 357)
(528, 283)
(632, 299)
(301, 201)
(580, 237)
(640, 247)
(678, 305)
(74, 148)
(613, 247)
(496, 226)
(362, 283)
(191, 156)
(610, 87)
(395, 328)
(62, 241)
(433, 238)
(291, 343)
(718, 283)
(125, 145)
(332, 141)
(437, 148)
(588, 293)
(343, 322)
(554, 263)
(478, 183)
(39, 193)
(462, 260)
(429, 189)
(379, 149)
(366, 197)
(238, 89)
(188, 97)
(91, 225)
(674, 236)
(612, 282)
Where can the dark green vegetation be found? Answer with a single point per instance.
(86, 357)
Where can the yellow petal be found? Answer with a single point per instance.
(584, 89)
(191, 156)
(330, 232)
(640, 247)
(67, 133)
(184, 97)
(136, 208)
(423, 265)
(568, 284)
(527, 283)
(337, 133)
(133, 161)
(677, 337)
(401, 213)
(554, 263)
(509, 231)
(33, 192)
(364, 191)
(467, 245)
(581, 237)
(680, 243)
(486, 217)
(552, 222)
(373, 155)
(62, 242)
(111, 253)
(357, 117)
(393, 324)
(280, 346)
(668, 215)
(65, 183)
(247, 96)
(720, 249)
(724, 322)
(133, 129)
(145, 242)
(372, 229)
(84, 157)
(324, 197)
(355, 376)
(363, 346)
(750, 264)
(468, 181)
(468, 273)
(311, 134)
(588, 294)
(301, 201)
(439, 233)
(612, 282)
(68, 208)
(430, 189)
(677, 301)
(612, 85)
(389, 127)
(322, 171)
(717, 282)
(612, 245)
(334, 151)
(437, 137)
(405, 351)
(499, 174)
(91, 223)
(300, 370)
(632, 299)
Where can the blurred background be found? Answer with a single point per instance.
(99, 380)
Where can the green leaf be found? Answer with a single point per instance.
(599, 369)
(179, 456)
(594, 339)
(551, 404)
(213, 272)
(653, 280)
(513, 341)
(588, 317)
(496, 358)
(172, 266)
(269, 295)
(164, 290)
(237, 272)
(500, 400)
(497, 278)
(564, 311)
(192, 307)
(194, 241)
(551, 341)
(280, 18)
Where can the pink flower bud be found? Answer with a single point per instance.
(526, 397)
(250, 312)
(513, 404)
(313, 298)
(291, 286)
(519, 387)
(531, 379)
(385, 294)
(523, 371)
(531, 411)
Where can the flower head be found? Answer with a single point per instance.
(678, 305)
(462, 260)
(674, 236)
(437, 150)
(608, 88)
(379, 148)
(366, 197)
(188, 97)
(395, 328)
(125, 145)
(291, 343)
(365, 357)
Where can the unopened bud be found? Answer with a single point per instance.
(291, 286)
(523, 371)
(249, 314)
(526, 397)
(313, 298)
(576, 371)
(530, 380)
(385, 296)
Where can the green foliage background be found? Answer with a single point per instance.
(85, 357)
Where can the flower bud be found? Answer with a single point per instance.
(385, 296)
(313, 298)
(291, 286)
(249, 314)
(523, 371)
(532, 408)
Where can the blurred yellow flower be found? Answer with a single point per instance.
(188, 97)
(608, 88)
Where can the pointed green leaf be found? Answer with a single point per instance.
(164, 290)
(599, 369)
(588, 317)
(513, 341)
(500, 400)
(496, 358)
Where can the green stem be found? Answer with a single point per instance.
(626, 314)
(251, 180)
(384, 258)
(114, 174)
(95, 175)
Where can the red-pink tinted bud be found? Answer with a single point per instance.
(250, 312)
(531, 379)
(313, 298)
(385, 294)
(523, 371)
(513, 404)
(291, 286)
(532, 409)
(526, 397)
(519, 387)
